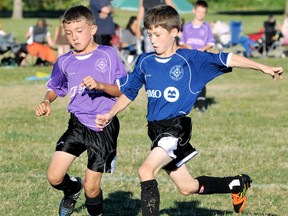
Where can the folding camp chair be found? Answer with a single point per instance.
(272, 43)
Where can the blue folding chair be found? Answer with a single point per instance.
(236, 30)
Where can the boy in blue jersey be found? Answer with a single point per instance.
(89, 73)
(173, 78)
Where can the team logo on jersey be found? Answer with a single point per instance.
(101, 65)
(176, 72)
(171, 94)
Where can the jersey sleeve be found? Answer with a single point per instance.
(120, 70)
(58, 81)
(211, 65)
(210, 37)
(132, 82)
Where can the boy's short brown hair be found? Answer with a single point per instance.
(77, 13)
(162, 15)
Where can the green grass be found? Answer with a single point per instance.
(244, 130)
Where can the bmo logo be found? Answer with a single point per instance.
(171, 94)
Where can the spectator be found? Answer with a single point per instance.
(60, 39)
(197, 34)
(38, 44)
(144, 6)
(222, 33)
(128, 38)
(39, 33)
(272, 31)
(102, 11)
(284, 30)
(2, 32)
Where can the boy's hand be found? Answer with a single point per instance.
(102, 120)
(90, 83)
(274, 71)
(43, 108)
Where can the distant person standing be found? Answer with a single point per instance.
(197, 34)
(61, 40)
(102, 11)
(144, 6)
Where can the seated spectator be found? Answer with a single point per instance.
(38, 44)
(222, 33)
(272, 31)
(2, 32)
(128, 39)
(284, 30)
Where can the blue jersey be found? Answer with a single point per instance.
(173, 84)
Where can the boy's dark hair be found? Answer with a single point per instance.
(201, 3)
(77, 13)
(162, 15)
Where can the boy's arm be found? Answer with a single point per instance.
(90, 83)
(140, 16)
(44, 108)
(242, 62)
(103, 119)
(171, 3)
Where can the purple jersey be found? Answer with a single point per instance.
(104, 65)
(197, 36)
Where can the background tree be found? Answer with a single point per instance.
(17, 9)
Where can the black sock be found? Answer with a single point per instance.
(68, 186)
(95, 205)
(150, 198)
(211, 185)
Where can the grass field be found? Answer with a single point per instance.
(244, 130)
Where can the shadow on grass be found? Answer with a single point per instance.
(122, 203)
(119, 203)
(210, 101)
(191, 209)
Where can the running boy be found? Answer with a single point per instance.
(89, 73)
(182, 74)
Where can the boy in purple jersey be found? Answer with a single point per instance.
(197, 34)
(173, 78)
(89, 73)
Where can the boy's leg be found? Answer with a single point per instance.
(60, 180)
(237, 185)
(200, 104)
(150, 197)
(93, 193)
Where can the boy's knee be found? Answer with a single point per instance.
(185, 192)
(144, 172)
(54, 179)
(91, 190)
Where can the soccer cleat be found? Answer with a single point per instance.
(239, 199)
(68, 203)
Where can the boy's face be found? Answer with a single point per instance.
(162, 40)
(80, 34)
(200, 13)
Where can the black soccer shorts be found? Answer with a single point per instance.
(173, 135)
(101, 146)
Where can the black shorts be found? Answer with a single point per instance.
(101, 146)
(173, 135)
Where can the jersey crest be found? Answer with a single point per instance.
(176, 72)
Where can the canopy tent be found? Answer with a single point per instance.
(183, 6)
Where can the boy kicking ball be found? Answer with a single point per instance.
(173, 78)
